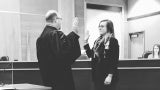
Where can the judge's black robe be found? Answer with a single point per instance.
(56, 52)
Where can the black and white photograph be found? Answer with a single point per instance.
(79, 45)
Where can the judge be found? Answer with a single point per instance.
(56, 52)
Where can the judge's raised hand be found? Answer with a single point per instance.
(75, 25)
(86, 37)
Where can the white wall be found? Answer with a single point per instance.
(148, 24)
(142, 7)
(151, 27)
(10, 29)
(66, 9)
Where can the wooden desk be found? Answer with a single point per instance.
(20, 72)
(139, 74)
(134, 74)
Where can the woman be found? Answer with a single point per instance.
(156, 52)
(105, 55)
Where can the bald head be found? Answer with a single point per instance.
(53, 19)
(51, 14)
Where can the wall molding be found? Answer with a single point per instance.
(143, 16)
(22, 13)
(139, 68)
(103, 7)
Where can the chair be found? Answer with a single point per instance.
(4, 58)
(146, 54)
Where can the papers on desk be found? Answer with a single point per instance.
(25, 86)
(4, 87)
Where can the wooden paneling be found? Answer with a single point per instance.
(139, 79)
(133, 74)
(27, 76)
(38, 7)
(5, 77)
(83, 80)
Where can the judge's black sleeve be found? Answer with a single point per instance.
(66, 48)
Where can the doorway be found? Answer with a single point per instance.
(137, 44)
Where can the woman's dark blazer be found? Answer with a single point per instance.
(107, 63)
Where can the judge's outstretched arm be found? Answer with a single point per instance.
(66, 48)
